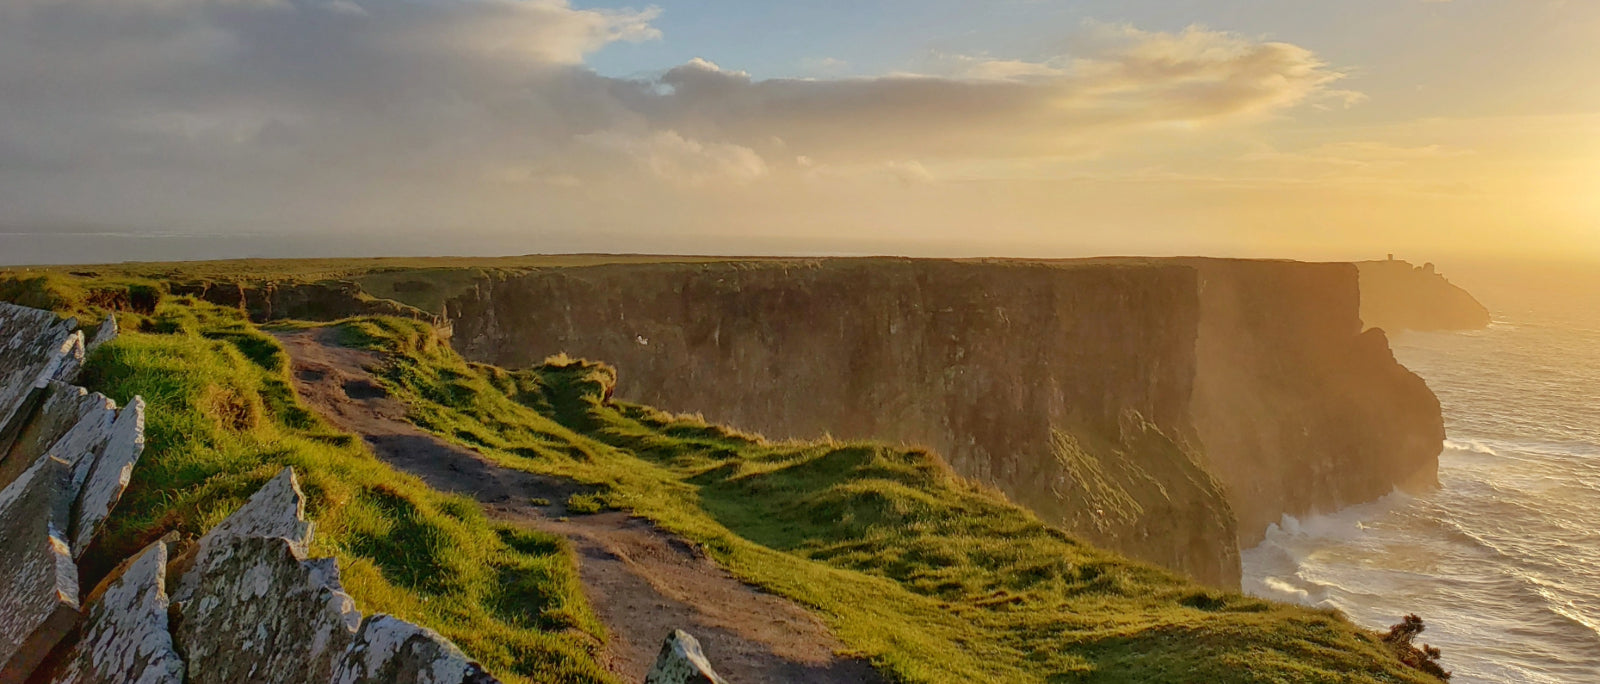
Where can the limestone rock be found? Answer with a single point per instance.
(262, 613)
(389, 649)
(278, 509)
(252, 608)
(682, 662)
(69, 359)
(70, 424)
(103, 334)
(126, 637)
(33, 346)
(105, 480)
(38, 580)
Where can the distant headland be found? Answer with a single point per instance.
(1396, 296)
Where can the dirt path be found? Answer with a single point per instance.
(641, 581)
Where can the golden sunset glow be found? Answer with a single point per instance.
(1039, 128)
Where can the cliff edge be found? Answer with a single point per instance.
(1167, 409)
(1396, 296)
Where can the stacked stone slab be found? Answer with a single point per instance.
(248, 606)
(65, 458)
(35, 347)
(252, 607)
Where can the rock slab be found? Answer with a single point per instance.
(389, 649)
(34, 345)
(106, 479)
(262, 613)
(38, 580)
(278, 510)
(254, 608)
(65, 457)
(126, 636)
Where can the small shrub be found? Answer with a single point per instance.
(584, 504)
(1426, 658)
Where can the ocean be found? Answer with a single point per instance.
(1503, 561)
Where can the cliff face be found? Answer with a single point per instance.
(1137, 404)
(1299, 411)
(1397, 296)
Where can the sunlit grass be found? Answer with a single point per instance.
(222, 419)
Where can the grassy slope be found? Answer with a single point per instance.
(223, 418)
(932, 578)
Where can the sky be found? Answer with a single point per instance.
(1311, 129)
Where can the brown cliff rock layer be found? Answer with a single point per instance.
(1137, 403)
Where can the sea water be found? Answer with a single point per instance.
(1503, 560)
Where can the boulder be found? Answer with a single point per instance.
(125, 635)
(682, 662)
(389, 649)
(260, 612)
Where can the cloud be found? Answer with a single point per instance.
(362, 113)
(1001, 107)
(669, 156)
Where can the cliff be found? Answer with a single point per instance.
(1168, 409)
(1397, 296)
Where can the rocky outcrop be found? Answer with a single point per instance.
(66, 458)
(261, 612)
(1167, 409)
(1396, 296)
(39, 579)
(682, 662)
(248, 606)
(106, 479)
(252, 607)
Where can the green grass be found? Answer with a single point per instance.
(222, 418)
(932, 578)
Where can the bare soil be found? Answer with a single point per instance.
(642, 582)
